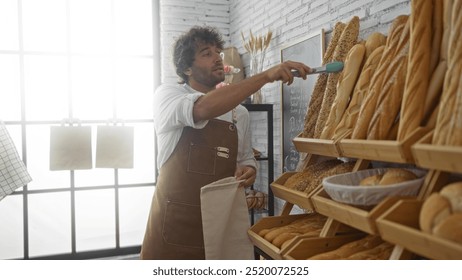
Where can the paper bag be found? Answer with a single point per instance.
(70, 148)
(114, 147)
(225, 221)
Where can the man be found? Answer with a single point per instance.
(203, 136)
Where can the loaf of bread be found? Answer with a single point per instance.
(368, 106)
(303, 179)
(437, 33)
(350, 248)
(380, 252)
(320, 85)
(375, 40)
(434, 209)
(453, 193)
(303, 226)
(418, 75)
(389, 101)
(347, 40)
(450, 228)
(434, 90)
(346, 83)
(319, 175)
(345, 127)
(441, 213)
(447, 111)
(389, 177)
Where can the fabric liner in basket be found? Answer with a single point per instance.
(345, 187)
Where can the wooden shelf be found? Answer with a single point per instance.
(400, 225)
(317, 146)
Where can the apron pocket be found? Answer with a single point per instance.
(183, 225)
(201, 159)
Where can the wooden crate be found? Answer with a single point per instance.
(313, 146)
(270, 222)
(299, 198)
(400, 225)
(306, 247)
(363, 219)
(443, 158)
(382, 150)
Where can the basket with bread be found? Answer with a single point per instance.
(369, 187)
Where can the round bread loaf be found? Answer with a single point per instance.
(453, 193)
(450, 228)
(373, 180)
(397, 175)
(434, 209)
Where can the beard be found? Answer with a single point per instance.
(208, 77)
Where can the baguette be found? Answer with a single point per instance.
(347, 40)
(434, 89)
(346, 83)
(368, 106)
(437, 33)
(349, 249)
(350, 116)
(375, 40)
(390, 96)
(447, 110)
(418, 76)
(320, 85)
(379, 252)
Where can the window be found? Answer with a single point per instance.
(77, 62)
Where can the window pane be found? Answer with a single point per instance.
(10, 106)
(92, 88)
(134, 210)
(44, 25)
(9, 27)
(133, 27)
(11, 233)
(95, 220)
(49, 224)
(90, 26)
(46, 86)
(38, 160)
(143, 167)
(134, 88)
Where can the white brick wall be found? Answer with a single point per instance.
(288, 19)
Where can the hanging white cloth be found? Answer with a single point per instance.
(225, 221)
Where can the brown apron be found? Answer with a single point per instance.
(202, 156)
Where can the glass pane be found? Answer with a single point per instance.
(133, 27)
(46, 87)
(44, 25)
(134, 205)
(95, 219)
(49, 224)
(38, 160)
(9, 27)
(144, 168)
(11, 233)
(10, 107)
(92, 88)
(134, 88)
(96, 176)
(90, 26)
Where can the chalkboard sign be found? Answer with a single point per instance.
(296, 97)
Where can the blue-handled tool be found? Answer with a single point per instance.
(332, 67)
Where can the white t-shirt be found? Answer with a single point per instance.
(173, 110)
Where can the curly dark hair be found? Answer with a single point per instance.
(185, 47)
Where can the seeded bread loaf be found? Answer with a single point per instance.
(347, 40)
(320, 85)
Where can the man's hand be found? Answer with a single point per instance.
(283, 72)
(247, 173)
